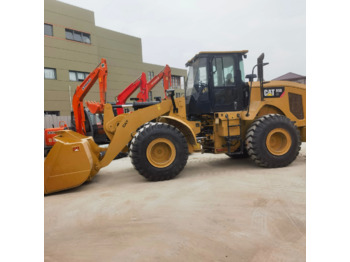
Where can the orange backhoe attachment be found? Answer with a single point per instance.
(50, 133)
(99, 73)
(164, 75)
(128, 91)
(145, 87)
(95, 107)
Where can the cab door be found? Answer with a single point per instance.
(226, 82)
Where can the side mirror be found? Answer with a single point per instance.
(250, 77)
(170, 92)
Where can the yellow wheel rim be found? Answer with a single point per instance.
(161, 152)
(278, 141)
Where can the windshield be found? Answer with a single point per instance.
(197, 79)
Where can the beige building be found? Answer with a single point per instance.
(74, 46)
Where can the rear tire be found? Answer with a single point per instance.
(273, 141)
(159, 151)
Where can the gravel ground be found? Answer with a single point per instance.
(217, 209)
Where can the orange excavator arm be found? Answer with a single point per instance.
(127, 92)
(99, 73)
(145, 87)
(164, 75)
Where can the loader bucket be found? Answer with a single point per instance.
(71, 161)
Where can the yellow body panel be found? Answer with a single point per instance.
(278, 105)
(188, 128)
(221, 130)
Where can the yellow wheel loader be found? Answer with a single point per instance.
(220, 113)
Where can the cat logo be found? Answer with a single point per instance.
(274, 92)
(269, 92)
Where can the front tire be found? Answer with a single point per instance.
(273, 141)
(159, 151)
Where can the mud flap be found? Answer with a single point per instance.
(70, 162)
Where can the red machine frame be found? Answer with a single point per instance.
(145, 87)
(99, 73)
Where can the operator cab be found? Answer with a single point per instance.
(215, 83)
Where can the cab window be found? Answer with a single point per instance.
(223, 71)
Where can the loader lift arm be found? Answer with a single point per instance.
(99, 73)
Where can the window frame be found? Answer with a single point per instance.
(55, 73)
(86, 74)
(150, 75)
(52, 112)
(51, 29)
(82, 35)
(176, 81)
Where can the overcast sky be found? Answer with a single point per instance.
(172, 32)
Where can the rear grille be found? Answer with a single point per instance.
(296, 105)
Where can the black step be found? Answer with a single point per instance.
(230, 138)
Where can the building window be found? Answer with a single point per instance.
(150, 96)
(78, 36)
(49, 73)
(56, 113)
(48, 29)
(175, 81)
(150, 75)
(77, 76)
(177, 95)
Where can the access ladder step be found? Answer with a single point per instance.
(231, 138)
